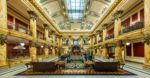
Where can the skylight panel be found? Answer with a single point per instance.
(75, 9)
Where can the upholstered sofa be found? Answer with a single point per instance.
(106, 66)
(43, 66)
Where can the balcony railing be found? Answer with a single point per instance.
(110, 36)
(136, 26)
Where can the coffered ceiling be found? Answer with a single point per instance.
(75, 15)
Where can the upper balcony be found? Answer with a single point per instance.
(136, 26)
(109, 36)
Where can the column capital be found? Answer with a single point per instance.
(46, 26)
(53, 32)
(32, 15)
(105, 26)
(99, 31)
(81, 36)
(69, 36)
(59, 36)
(118, 14)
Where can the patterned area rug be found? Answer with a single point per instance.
(75, 72)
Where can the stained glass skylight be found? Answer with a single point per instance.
(75, 9)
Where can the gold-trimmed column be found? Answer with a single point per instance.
(54, 43)
(147, 50)
(118, 52)
(93, 44)
(147, 15)
(91, 41)
(3, 24)
(117, 24)
(70, 41)
(60, 45)
(104, 52)
(117, 30)
(46, 50)
(81, 41)
(33, 28)
(147, 32)
(60, 41)
(97, 41)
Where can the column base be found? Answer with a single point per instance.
(104, 53)
(46, 51)
(53, 52)
(33, 53)
(3, 63)
(3, 51)
(146, 66)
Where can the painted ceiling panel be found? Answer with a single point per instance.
(59, 19)
(52, 7)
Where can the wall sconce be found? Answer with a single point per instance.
(127, 43)
(42, 46)
(22, 44)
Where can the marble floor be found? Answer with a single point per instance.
(132, 67)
